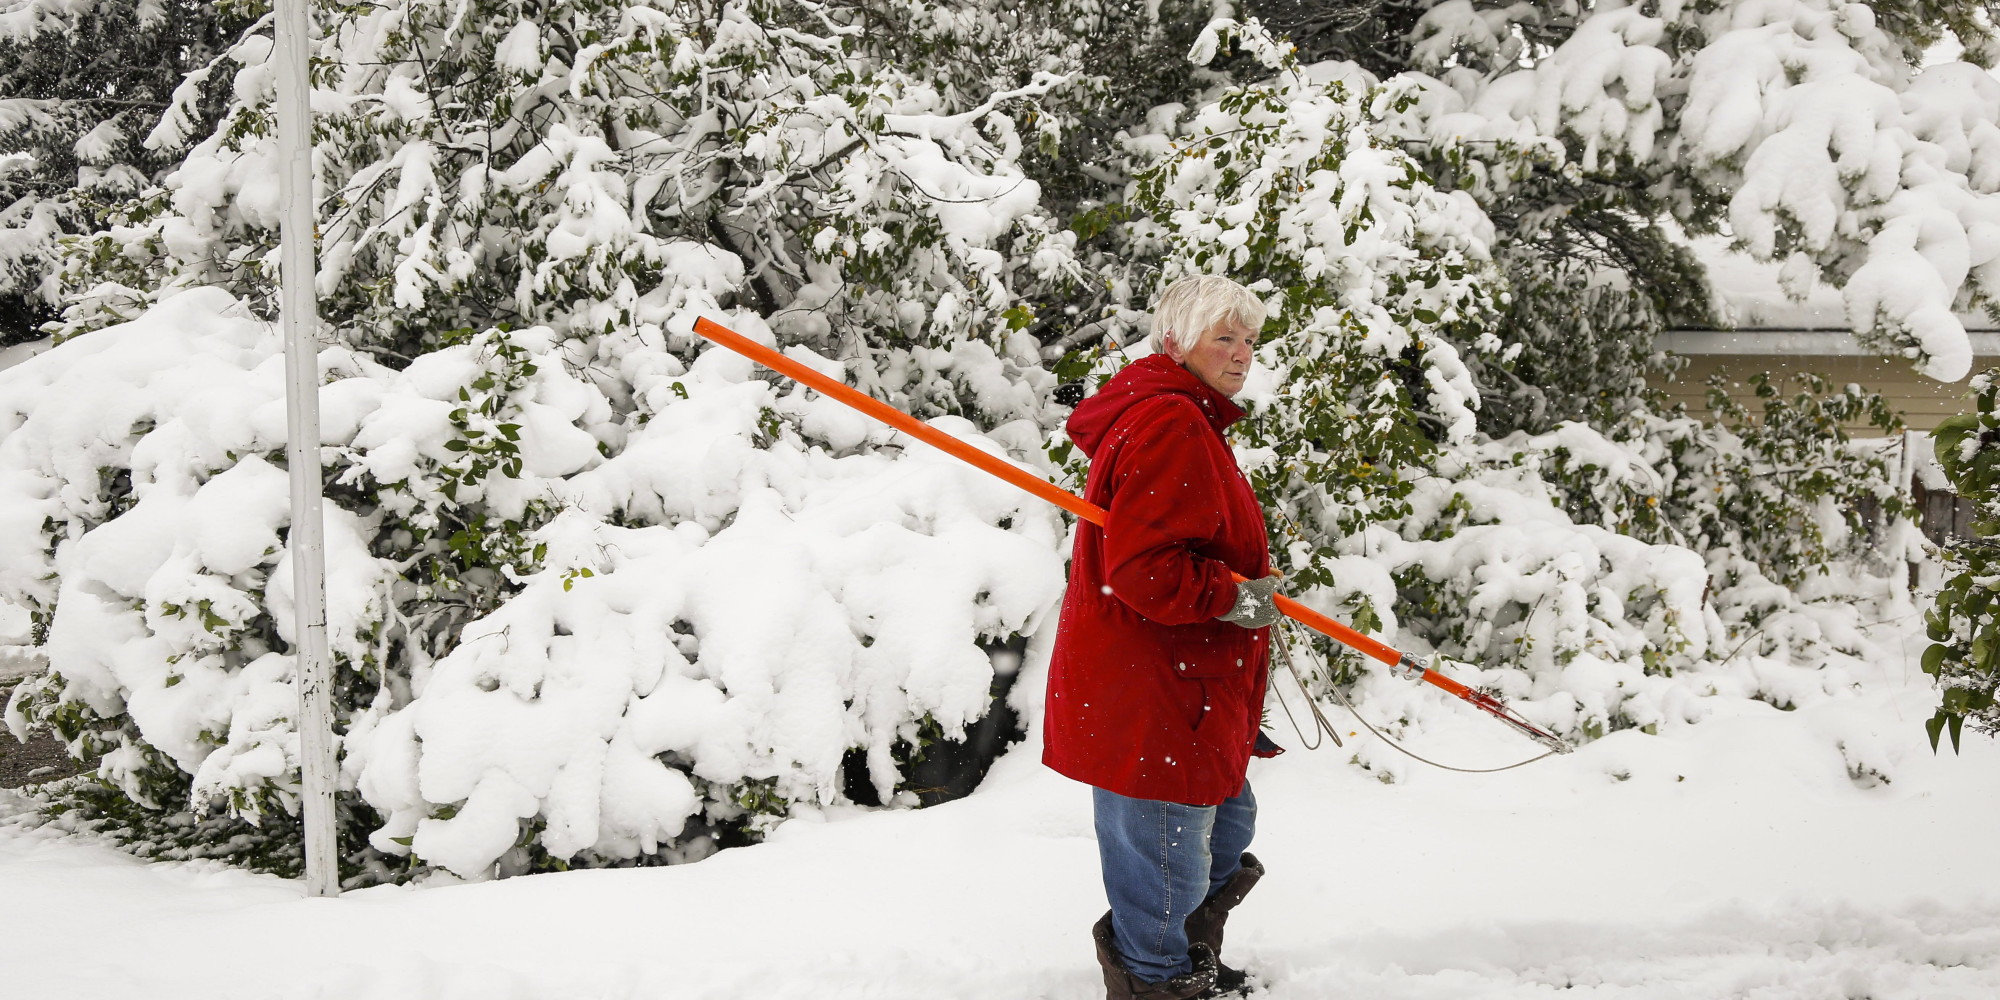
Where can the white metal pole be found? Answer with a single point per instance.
(299, 315)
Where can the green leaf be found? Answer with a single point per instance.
(1934, 659)
(1951, 430)
(456, 444)
(1935, 727)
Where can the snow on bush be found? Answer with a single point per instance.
(81, 82)
(702, 624)
(525, 217)
(1807, 122)
(1611, 581)
(586, 169)
(781, 604)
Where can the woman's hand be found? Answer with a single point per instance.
(1256, 604)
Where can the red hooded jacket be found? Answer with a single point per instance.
(1149, 696)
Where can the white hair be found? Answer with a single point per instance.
(1193, 305)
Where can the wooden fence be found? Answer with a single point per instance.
(1944, 514)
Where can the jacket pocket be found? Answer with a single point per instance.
(1209, 650)
(1218, 713)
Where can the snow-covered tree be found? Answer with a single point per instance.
(81, 84)
(524, 209)
(1809, 131)
(1964, 622)
(1368, 266)
(525, 163)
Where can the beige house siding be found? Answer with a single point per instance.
(1923, 401)
(1778, 333)
(1834, 355)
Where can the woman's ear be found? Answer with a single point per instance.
(1173, 346)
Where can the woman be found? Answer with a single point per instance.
(1157, 678)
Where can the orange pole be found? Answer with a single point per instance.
(1082, 508)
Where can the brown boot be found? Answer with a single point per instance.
(1120, 984)
(1204, 925)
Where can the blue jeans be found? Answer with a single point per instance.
(1160, 860)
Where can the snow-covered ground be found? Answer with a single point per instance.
(1734, 858)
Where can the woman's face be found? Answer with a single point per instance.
(1221, 358)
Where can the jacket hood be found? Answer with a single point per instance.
(1150, 376)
